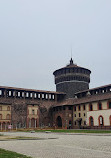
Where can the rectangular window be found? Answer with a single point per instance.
(35, 95)
(9, 93)
(18, 94)
(30, 95)
(79, 108)
(46, 96)
(0, 108)
(99, 106)
(64, 107)
(39, 96)
(84, 107)
(75, 108)
(109, 105)
(70, 108)
(90, 107)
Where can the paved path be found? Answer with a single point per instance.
(63, 146)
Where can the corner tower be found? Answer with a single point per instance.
(72, 79)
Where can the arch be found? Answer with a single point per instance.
(59, 121)
(8, 117)
(101, 120)
(110, 120)
(91, 121)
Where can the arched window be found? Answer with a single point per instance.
(99, 106)
(101, 120)
(8, 108)
(91, 121)
(0, 116)
(8, 117)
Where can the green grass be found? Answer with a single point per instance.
(10, 154)
(75, 131)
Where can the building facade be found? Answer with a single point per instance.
(73, 105)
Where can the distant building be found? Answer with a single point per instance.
(73, 105)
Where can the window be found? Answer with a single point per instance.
(90, 107)
(42, 96)
(33, 112)
(46, 96)
(64, 107)
(30, 95)
(8, 117)
(109, 105)
(27, 94)
(84, 114)
(8, 108)
(35, 95)
(70, 108)
(75, 122)
(0, 108)
(53, 97)
(79, 108)
(84, 107)
(99, 106)
(18, 94)
(75, 115)
(9, 93)
(50, 97)
(39, 96)
(75, 108)
(79, 114)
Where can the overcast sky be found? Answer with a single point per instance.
(36, 38)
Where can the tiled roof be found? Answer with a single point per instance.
(101, 87)
(31, 90)
(87, 99)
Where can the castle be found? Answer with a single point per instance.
(73, 105)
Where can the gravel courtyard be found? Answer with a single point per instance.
(60, 145)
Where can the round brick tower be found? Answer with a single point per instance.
(72, 79)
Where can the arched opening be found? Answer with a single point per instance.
(59, 121)
(91, 121)
(101, 121)
(8, 117)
